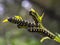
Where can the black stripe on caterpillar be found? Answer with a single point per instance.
(31, 13)
(14, 20)
(42, 31)
(28, 24)
(21, 22)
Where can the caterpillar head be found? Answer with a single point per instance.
(35, 15)
(15, 17)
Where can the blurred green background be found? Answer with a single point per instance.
(11, 35)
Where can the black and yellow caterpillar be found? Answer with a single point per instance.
(21, 22)
(43, 32)
(33, 27)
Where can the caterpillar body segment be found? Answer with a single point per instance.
(27, 24)
(32, 14)
(15, 19)
(42, 31)
(37, 18)
(20, 22)
(18, 17)
(12, 19)
(47, 34)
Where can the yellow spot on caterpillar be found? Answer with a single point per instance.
(6, 20)
(19, 17)
(32, 10)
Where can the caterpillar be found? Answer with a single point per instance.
(32, 27)
(36, 17)
(42, 31)
(33, 14)
(47, 34)
(28, 24)
(21, 22)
